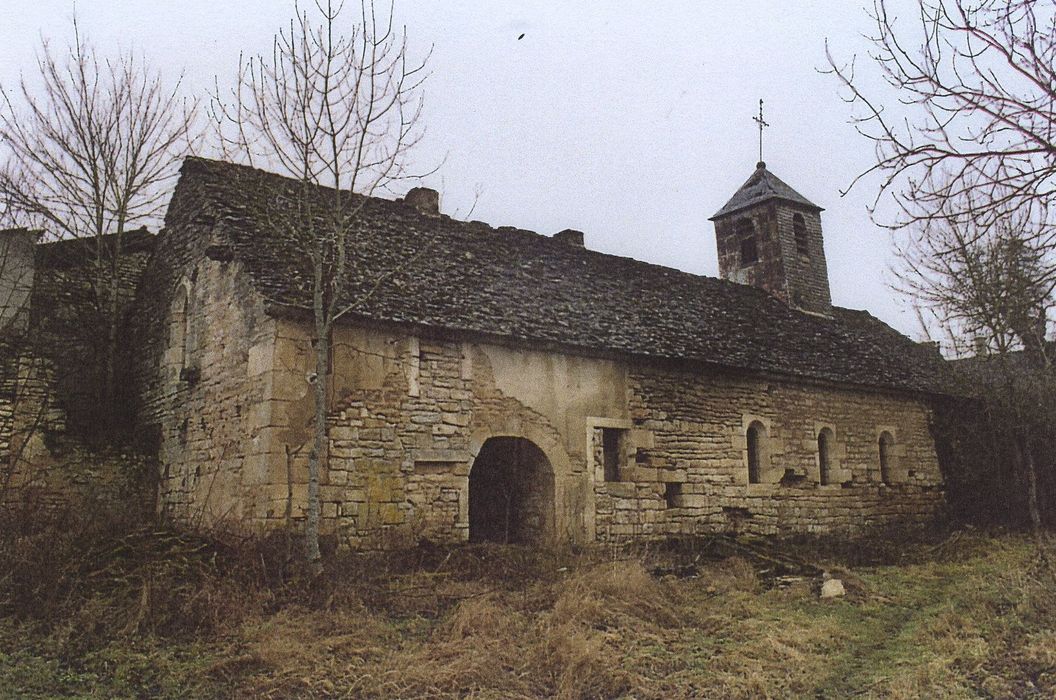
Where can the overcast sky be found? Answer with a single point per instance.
(631, 121)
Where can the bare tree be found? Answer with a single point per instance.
(991, 290)
(968, 130)
(992, 295)
(337, 108)
(965, 148)
(89, 149)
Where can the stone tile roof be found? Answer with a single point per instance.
(440, 273)
(763, 185)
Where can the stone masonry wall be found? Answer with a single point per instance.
(197, 402)
(691, 474)
(411, 416)
(51, 371)
(69, 321)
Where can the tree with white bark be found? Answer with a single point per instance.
(337, 108)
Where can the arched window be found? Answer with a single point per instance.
(757, 454)
(886, 442)
(824, 455)
(799, 230)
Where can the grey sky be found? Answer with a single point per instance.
(631, 121)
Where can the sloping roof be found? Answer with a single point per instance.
(1012, 372)
(72, 252)
(441, 273)
(762, 186)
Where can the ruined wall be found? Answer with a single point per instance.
(69, 320)
(51, 372)
(411, 415)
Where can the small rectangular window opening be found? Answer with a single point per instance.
(612, 452)
(672, 492)
(749, 251)
(799, 229)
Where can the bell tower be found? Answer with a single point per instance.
(769, 236)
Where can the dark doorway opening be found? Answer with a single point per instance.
(511, 493)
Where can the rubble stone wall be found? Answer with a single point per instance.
(52, 365)
(690, 472)
(198, 404)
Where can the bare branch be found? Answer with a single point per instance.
(338, 109)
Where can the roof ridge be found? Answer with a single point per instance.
(518, 284)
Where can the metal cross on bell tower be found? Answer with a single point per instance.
(762, 125)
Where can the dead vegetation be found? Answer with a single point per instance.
(124, 610)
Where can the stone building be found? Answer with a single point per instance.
(53, 355)
(497, 384)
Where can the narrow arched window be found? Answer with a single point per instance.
(799, 230)
(824, 455)
(886, 442)
(756, 438)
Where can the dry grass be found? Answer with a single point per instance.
(115, 611)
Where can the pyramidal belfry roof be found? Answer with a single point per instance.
(762, 186)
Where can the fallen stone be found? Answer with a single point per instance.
(833, 588)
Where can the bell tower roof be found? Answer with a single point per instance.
(761, 187)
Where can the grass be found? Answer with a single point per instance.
(126, 612)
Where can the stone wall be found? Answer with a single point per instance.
(51, 368)
(198, 405)
(69, 318)
(687, 466)
(411, 416)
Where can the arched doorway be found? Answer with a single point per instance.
(511, 493)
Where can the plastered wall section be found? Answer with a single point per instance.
(409, 417)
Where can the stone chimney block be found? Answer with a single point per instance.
(17, 247)
(425, 200)
(570, 236)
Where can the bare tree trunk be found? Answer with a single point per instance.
(317, 454)
(113, 311)
(1030, 467)
(338, 112)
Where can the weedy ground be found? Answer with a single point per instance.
(107, 609)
